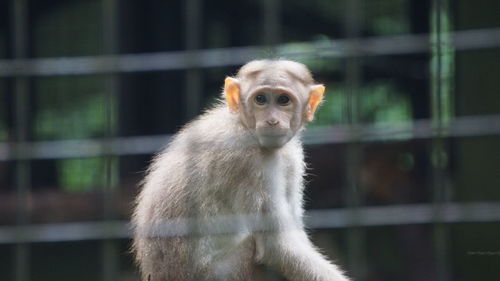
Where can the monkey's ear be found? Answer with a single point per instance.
(315, 98)
(232, 93)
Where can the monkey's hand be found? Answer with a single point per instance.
(292, 253)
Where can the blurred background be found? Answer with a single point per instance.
(404, 154)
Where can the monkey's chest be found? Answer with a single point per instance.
(248, 186)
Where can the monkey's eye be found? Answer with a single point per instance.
(283, 99)
(260, 99)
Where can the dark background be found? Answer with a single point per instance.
(449, 87)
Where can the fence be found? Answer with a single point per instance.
(440, 45)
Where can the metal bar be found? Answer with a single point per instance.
(271, 37)
(194, 79)
(193, 75)
(392, 215)
(441, 115)
(109, 250)
(22, 131)
(271, 22)
(467, 126)
(179, 60)
(356, 236)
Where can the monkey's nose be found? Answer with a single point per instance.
(273, 122)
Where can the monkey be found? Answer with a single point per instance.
(225, 196)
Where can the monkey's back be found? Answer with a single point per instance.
(202, 174)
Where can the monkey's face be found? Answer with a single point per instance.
(273, 99)
(274, 115)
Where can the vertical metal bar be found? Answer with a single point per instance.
(356, 235)
(194, 79)
(23, 167)
(442, 112)
(271, 22)
(110, 253)
(271, 36)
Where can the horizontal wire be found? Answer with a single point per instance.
(218, 57)
(392, 215)
(466, 126)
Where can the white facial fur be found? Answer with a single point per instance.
(263, 92)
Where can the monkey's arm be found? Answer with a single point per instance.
(287, 247)
(292, 253)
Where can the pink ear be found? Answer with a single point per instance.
(315, 99)
(232, 93)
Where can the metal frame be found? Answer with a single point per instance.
(180, 60)
(23, 167)
(437, 129)
(407, 214)
(466, 126)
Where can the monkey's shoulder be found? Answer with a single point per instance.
(217, 141)
(215, 130)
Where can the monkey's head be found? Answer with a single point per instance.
(273, 99)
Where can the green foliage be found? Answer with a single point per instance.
(379, 103)
(69, 108)
(332, 109)
(72, 108)
(77, 175)
(388, 17)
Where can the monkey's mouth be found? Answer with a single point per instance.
(273, 138)
(272, 132)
